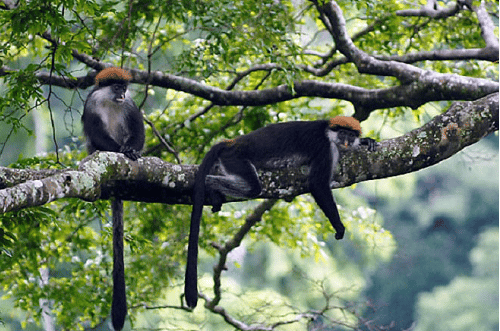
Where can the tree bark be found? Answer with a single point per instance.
(104, 175)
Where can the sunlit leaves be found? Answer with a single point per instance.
(214, 42)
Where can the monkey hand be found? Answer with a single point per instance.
(340, 233)
(130, 152)
(371, 143)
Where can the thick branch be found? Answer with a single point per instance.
(334, 20)
(417, 87)
(463, 124)
(409, 75)
(487, 26)
(41, 191)
(429, 86)
(100, 176)
(152, 180)
(486, 54)
(431, 11)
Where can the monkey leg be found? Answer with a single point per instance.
(217, 199)
(239, 179)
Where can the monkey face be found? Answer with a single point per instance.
(346, 138)
(119, 91)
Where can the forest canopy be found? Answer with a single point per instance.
(421, 76)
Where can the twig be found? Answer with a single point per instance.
(231, 244)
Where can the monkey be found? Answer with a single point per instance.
(113, 122)
(230, 169)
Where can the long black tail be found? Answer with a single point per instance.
(191, 278)
(119, 305)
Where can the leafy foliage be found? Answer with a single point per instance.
(49, 52)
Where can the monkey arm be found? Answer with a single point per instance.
(135, 141)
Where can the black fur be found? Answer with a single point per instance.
(119, 304)
(229, 168)
(112, 122)
(128, 136)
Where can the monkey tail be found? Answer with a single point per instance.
(119, 305)
(191, 278)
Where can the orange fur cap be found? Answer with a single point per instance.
(346, 122)
(229, 142)
(112, 73)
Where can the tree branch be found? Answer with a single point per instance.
(486, 54)
(413, 78)
(487, 27)
(230, 245)
(489, 53)
(432, 10)
(150, 179)
(212, 304)
(428, 86)
(463, 124)
(418, 86)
